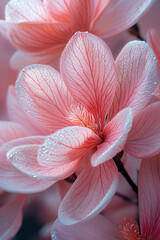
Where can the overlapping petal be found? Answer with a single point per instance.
(99, 8)
(58, 9)
(11, 130)
(138, 77)
(44, 97)
(115, 135)
(24, 158)
(17, 115)
(67, 145)
(153, 39)
(89, 74)
(13, 180)
(89, 194)
(11, 217)
(143, 139)
(22, 11)
(36, 36)
(81, 13)
(120, 15)
(149, 197)
(97, 228)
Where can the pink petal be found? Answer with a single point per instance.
(99, 8)
(157, 92)
(36, 36)
(119, 16)
(137, 77)
(24, 10)
(10, 130)
(13, 180)
(97, 228)
(67, 145)
(16, 114)
(20, 59)
(81, 13)
(58, 9)
(11, 217)
(87, 67)
(115, 134)
(24, 158)
(90, 193)
(149, 197)
(44, 97)
(143, 139)
(154, 40)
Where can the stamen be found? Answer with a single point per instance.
(129, 230)
(79, 116)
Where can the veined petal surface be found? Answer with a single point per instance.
(138, 77)
(44, 97)
(23, 11)
(90, 193)
(115, 135)
(153, 38)
(87, 66)
(24, 158)
(67, 145)
(11, 179)
(143, 139)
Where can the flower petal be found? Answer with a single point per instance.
(89, 194)
(20, 59)
(153, 38)
(44, 97)
(24, 10)
(115, 134)
(24, 158)
(11, 179)
(87, 67)
(99, 8)
(11, 216)
(58, 9)
(81, 14)
(143, 139)
(67, 145)
(119, 16)
(10, 130)
(137, 77)
(97, 228)
(36, 36)
(16, 114)
(149, 197)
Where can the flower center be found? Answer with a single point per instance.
(79, 116)
(129, 230)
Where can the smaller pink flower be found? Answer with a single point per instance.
(41, 29)
(73, 107)
(149, 213)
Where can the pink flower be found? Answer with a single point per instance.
(149, 213)
(73, 106)
(41, 29)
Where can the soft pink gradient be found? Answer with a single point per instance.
(40, 30)
(149, 213)
(73, 106)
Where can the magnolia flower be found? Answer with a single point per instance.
(149, 214)
(41, 29)
(154, 41)
(73, 106)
